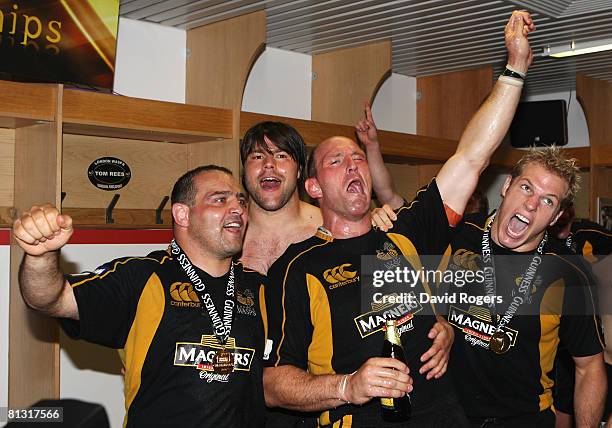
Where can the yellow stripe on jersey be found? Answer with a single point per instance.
(321, 347)
(324, 418)
(551, 308)
(262, 308)
(149, 313)
(410, 253)
(591, 299)
(443, 265)
(117, 263)
(477, 226)
(587, 252)
(345, 422)
(282, 339)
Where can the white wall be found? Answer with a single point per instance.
(150, 61)
(90, 372)
(280, 84)
(4, 320)
(394, 108)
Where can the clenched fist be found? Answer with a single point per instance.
(42, 229)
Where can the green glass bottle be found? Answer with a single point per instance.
(394, 409)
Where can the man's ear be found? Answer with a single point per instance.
(556, 217)
(180, 213)
(313, 188)
(505, 186)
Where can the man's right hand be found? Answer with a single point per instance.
(42, 229)
(517, 29)
(378, 377)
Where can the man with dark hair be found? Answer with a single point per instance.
(327, 357)
(502, 359)
(273, 156)
(188, 318)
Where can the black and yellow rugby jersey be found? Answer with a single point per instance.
(315, 313)
(591, 240)
(560, 309)
(148, 307)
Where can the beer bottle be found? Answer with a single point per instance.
(394, 409)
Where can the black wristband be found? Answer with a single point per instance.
(511, 73)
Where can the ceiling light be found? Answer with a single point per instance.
(577, 48)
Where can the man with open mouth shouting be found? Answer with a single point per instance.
(326, 359)
(504, 351)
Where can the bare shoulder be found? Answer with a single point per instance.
(310, 215)
(266, 243)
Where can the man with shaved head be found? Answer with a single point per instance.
(326, 359)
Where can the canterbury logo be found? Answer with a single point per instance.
(466, 259)
(183, 295)
(339, 274)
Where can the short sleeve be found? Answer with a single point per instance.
(107, 300)
(580, 327)
(289, 325)
(424, 221)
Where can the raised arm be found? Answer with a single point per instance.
(590, 390)
(381, 179)
(459, 176)
(41, 232)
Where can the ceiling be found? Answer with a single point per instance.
(428, 36)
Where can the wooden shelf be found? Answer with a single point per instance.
(602, 155)
(398, 147)
(92, 113)
(22, 104)
(95, 218)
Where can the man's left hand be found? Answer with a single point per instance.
(436, 357)
(366, 128)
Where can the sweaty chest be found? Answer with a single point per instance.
(261, 250)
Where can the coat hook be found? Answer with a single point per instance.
(158, 211)
(110, 208)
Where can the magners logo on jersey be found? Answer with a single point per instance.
(374, 321)
(477, 325)
(200, 355)
(340, 275)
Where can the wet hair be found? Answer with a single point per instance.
(284, 136)
(184, 191)
(555, 161)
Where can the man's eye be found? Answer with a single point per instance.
(281, 156)
(547, 201)
(257, 156)
(525, 187)
(220, 199)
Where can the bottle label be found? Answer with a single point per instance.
(387, 402)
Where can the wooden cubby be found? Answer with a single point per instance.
(152, 137)
(49, 135)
